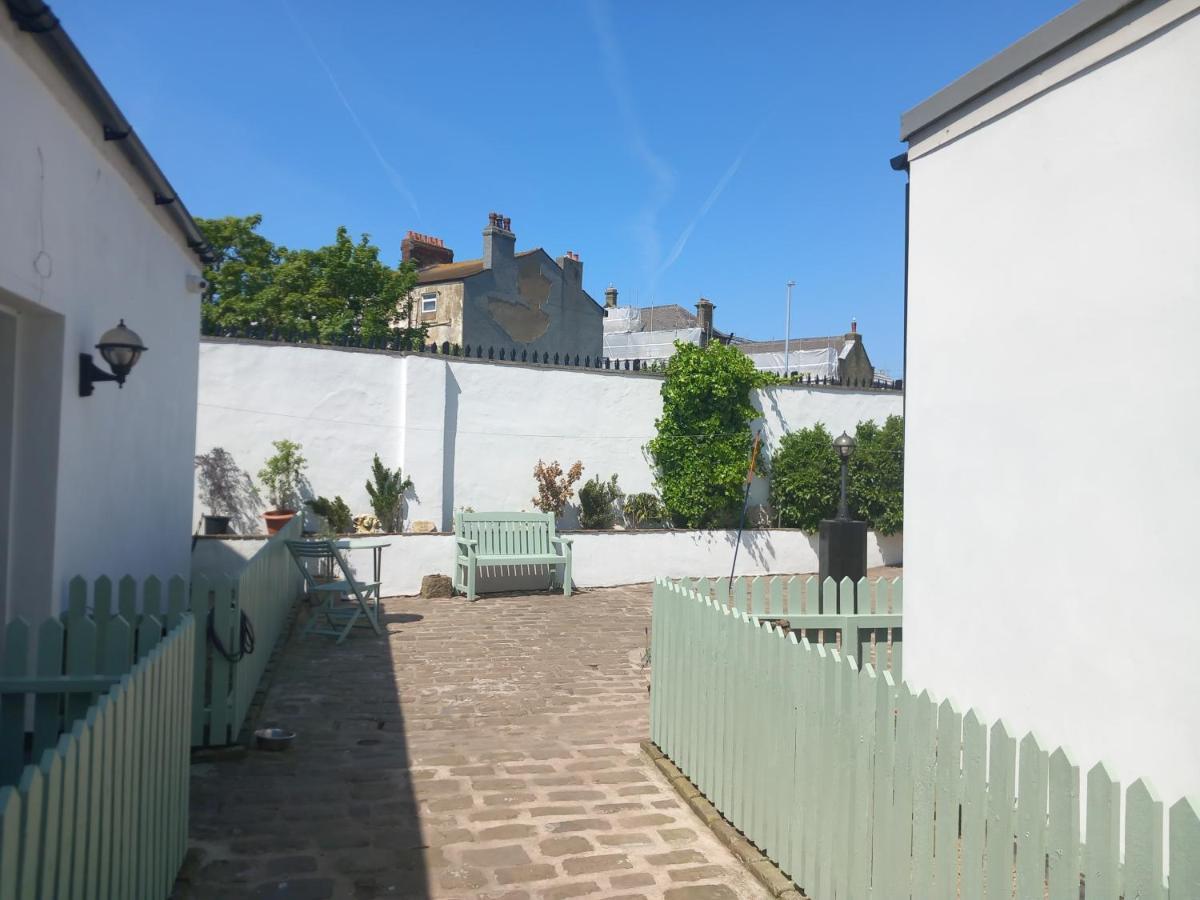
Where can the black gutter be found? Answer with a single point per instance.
(36, 19)
(900, 164)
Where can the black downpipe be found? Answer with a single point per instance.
(900, 164)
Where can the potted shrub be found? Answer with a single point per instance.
(282, 475)
(335, 512)
(222, 488)
(386, 490)
(597, 503)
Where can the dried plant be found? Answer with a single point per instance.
(554, 489)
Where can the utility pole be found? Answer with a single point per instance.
(787, 330)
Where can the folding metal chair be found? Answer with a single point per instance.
(336, 609)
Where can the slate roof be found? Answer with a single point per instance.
(457, 271)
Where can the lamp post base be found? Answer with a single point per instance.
(841, 553)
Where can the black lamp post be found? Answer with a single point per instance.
(121, 348)
(842, 550)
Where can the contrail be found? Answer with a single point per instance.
(661, 176)
(712, 198)
(395, 177)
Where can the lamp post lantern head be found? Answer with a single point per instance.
(845, 446)
(121, 347)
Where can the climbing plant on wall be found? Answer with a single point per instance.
(702, 448)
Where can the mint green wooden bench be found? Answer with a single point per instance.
(507, 539)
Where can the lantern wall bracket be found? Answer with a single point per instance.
(90, 373)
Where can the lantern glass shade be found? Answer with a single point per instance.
(844, 445)
(121, 348)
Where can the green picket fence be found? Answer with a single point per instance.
(265, 593)
(101, 810)
(857, 788)
(864, 618)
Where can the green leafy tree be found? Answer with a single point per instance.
(283, 475)
(703, 443)
(386, 490)
(597, 503)
(876, 477)
(329, 294)
(805, 478)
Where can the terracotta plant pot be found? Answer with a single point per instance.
(277, 518)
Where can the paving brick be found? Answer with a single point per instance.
(525, 874)
(603, 862)
(562, 846)
(676, 858)
(295, 889)
(696, 873)
(625, 839)
(674, 835)
(564, 891)
(490, 857)
(700, 892)
(579, 825)
(506, 832)
(541, 812)
(632, 880)
(462, 878)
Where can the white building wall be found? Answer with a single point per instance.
(101, 484)
(468, 432)
(1051, 473)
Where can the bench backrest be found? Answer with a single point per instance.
(507, 534)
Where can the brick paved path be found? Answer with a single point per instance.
(483, 750)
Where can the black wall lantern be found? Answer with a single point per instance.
(121, 348)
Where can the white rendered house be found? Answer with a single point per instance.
(90, 233)
(1053, 446)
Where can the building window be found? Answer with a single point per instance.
(428, 304)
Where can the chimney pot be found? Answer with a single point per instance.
(853, 326)
(610, 297)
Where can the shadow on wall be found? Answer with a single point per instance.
(891, 547)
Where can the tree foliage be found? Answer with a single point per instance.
(804, 478)
(876, 480)
(702, 448)
(283, 475)
(598, 503)
(806, 474)
(335, 512)
(336, 291)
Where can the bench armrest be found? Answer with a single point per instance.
(464, 542)
(562, 540)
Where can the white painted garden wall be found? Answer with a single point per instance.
(102, 484)
(600, 559)
(468, 432)
(1051, 462)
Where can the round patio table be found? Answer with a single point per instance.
(374, 544)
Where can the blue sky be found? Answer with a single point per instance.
(683, 149)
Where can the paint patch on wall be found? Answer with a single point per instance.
(522, 317)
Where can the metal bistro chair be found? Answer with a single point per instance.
(341, 617)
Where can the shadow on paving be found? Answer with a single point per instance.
(335, 816)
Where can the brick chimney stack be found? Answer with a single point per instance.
(499, 243)
(704, 318)
(610, 297)
(852, 334)
(425, 250)
(572, 267)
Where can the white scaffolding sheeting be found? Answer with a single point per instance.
(821, 363)
(647, 344)
(622, 320)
